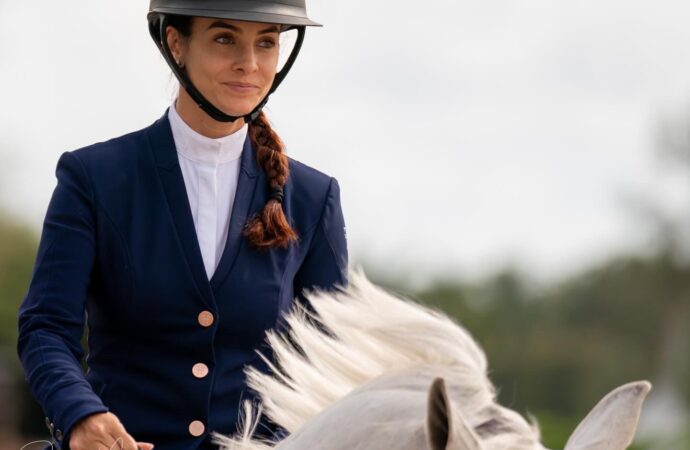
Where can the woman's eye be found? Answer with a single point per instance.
(267, 43)
(224, 40)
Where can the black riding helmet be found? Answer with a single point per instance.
(292, 14)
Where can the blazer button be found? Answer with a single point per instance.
(200, 370)
(196, 428)
(58, 435)
(205, 318)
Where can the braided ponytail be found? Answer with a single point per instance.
(270, 227)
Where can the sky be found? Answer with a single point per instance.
(466, 135)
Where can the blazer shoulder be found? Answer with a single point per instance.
(311, 193)
(107, 154)
(112, 166)
(307, 177)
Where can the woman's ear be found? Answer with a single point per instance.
(174, 43)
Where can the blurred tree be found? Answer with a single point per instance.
(18, 246)
(556, 352)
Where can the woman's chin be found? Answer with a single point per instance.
(235, 106)
(235, 110)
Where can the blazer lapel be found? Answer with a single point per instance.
(242, 208)
(165, 153)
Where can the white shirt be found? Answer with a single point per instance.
(210, 168)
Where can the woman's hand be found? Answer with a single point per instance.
(103, 431)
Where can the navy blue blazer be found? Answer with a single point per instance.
(119, 243)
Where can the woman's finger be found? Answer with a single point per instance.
(121, 440)
(95, 445)
(116, 442)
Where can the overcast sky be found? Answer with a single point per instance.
(465, 135)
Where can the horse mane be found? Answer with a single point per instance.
(354, 335)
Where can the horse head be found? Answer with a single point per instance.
(610, 425)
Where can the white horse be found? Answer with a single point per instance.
(374, 372)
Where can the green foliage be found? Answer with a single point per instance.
(555, 428)
(17, 254)
(559, 350)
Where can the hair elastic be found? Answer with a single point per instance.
(277, 194)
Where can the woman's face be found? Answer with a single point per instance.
(232, 62)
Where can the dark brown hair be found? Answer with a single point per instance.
(269, 228)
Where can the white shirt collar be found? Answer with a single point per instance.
(203, 149)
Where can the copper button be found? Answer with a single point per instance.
(200, 370)
(196, 428)
(205, 318)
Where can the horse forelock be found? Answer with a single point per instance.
(358, 334)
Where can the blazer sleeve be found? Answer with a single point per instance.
(325, 265)
(51, 316)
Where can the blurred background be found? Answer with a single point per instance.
(523, 165)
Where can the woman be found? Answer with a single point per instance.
(183, 242)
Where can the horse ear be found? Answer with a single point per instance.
(612, 423)
(445, 427)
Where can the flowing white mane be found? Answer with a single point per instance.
(362, 332)
(388, 350)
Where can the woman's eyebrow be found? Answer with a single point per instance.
(220, 24)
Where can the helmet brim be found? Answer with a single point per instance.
(250, 16)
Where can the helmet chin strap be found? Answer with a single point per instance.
(200, 100)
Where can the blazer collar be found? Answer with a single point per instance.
(166, 152)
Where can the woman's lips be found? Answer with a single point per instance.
(241, 87)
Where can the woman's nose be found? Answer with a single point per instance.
(245, 59)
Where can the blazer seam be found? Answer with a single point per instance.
(323, 212)
(62, 386)
(98, 208)
(291, 258)
(40, 294)
(40, 349)
(312, 230)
